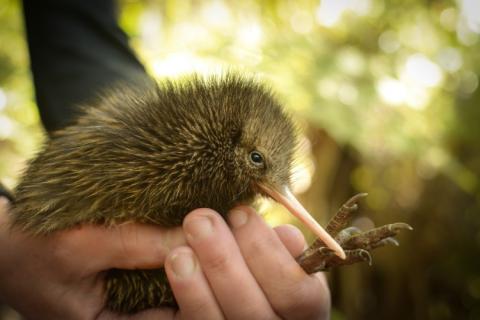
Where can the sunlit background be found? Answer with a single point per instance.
(386, 94)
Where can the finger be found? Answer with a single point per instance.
(292, 239)
(236, 290)
(276, 271)
(190, 287)
(126, 246)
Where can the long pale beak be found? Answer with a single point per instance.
(288, 200)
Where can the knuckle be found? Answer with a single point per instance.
(217, 261)
(128, 242)
(259, 247)
(309, 302)
(129, 245)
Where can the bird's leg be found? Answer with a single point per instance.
(356, 243)
(339, 221)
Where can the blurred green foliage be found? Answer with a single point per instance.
(387, 95)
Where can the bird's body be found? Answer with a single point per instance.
(152, 156)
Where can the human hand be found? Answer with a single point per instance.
(248, 272)
(60, 276)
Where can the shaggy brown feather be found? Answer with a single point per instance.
(152, 155)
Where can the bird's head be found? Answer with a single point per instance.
(264, 142)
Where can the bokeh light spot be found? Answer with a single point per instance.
(422, 71)
(388, 42)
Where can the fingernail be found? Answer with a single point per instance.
(237, 218)
(183, 264)
(200, 228)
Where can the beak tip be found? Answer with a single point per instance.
(285, 197)
(336, 247)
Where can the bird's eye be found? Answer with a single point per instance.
(256, 157)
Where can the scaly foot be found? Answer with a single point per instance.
(356, 243)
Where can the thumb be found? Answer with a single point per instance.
(124, 246)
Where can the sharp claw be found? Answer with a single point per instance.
(395, 227)
(325, 251)
(365, 255)
(352, 202)
(391, 241)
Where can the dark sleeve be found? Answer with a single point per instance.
(76, 50)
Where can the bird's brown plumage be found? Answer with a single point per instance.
(152, 155)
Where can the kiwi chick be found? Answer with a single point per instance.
(152, 155)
